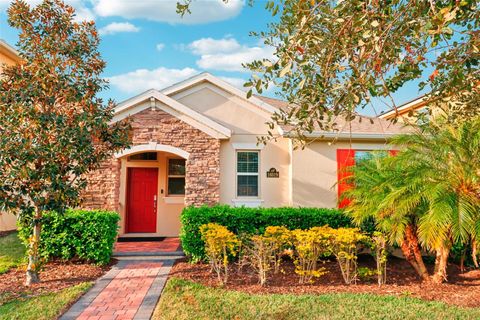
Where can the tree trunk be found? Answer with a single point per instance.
(33, 258)
(441, 262)
(474, 253)
(412, 253)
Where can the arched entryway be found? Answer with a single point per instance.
(152, 189)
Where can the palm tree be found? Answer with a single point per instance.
(442, 163)
(431, 189)
(375, 178)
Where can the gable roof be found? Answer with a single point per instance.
(362, 127)
(136, 104)
(405, 108)
(207, 77)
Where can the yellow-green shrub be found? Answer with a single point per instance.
(259, 253)
(309, 246)
(379, 251)
(281, 238)
(344, 242)
(220, 243)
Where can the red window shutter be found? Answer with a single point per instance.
(345, 160)
(393, 153)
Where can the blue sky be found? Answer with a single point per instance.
(147, 45)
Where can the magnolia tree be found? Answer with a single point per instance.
(334, 58)
(54, 127)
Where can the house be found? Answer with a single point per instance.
(195, 143)
(8, 56)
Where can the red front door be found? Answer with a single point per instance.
(141, 200)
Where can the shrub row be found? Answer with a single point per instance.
(264, 253)
(82, 234)
(242, 220)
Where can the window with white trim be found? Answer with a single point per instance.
(176, 177)
(247, 173)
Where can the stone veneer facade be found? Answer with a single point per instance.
(202, 180)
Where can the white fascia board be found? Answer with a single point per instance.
(11, 51)
(404, 107)
(347, 135)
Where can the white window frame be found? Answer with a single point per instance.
(168, 194)
(247, 174)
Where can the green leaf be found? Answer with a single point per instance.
(285, 69)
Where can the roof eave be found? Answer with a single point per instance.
(346, 135)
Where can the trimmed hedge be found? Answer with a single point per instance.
(241, 220)
(83, 234)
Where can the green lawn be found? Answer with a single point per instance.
(44, 307)
(12, 252)
(183, 299)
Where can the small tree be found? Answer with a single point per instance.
(378, 245)
(344, 242)
(220, 243)
(54, 127)
(260, 255)
(282, 238)
(310, 245)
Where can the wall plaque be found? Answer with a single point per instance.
(273, 173)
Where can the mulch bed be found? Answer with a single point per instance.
(6, 233)
(462, 289)
(55, 276)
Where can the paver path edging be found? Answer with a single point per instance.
(130, 290)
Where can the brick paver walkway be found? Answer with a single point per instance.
(123, 296)
(131, 289)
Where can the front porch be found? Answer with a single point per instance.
(152, 190)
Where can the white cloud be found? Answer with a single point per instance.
(160, 46)
(210, 46)
(144, 79)
(118, 27)
(82, 11)
(236, 82)
(226, 54)
(203, 11)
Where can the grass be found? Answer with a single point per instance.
(44, 307)
(184, 299)
(12, 252)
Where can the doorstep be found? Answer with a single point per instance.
(165, 247)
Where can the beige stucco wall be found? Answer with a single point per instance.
(7, 57)
(314, 171)
(247, 121)
(8, 221)
(237, 114)
(273, 192)
(307, 177)
(4, 60)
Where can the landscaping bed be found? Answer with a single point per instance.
(55, 276)
(462, 289)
